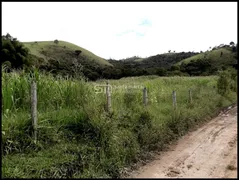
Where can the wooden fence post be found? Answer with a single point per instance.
(190, 96)
(108, 97)
(174, 100)
(145, 96)
(34, 108)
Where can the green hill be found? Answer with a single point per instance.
(208, 63)
(222, 56)
(60, 57)
(49, 49)
(64, 58)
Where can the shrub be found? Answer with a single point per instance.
(56, 41)
(227, 81)
(77, 52)
(223, 83)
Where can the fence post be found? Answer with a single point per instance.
(190, 96)
(145, 96)
(174, 100)
(108, 97)
(34, 108)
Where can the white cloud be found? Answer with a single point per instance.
(124, 29)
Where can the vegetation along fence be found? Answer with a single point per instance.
(108, 103)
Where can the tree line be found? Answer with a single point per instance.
(16, 56)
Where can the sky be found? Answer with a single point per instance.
(121, 30)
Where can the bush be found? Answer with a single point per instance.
(77, 52)
(227, 82)
(129, 99)
(223, 83)
(56, 41)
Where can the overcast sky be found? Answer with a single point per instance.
(124, 29)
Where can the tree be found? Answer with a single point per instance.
(169, 51)
(77, 52)
(174, 68)
(7, 37)
(232, 43)
(197, 67)
(223, 83)
(161, 71)
(14, 51)
(221, 54)
(56, 41)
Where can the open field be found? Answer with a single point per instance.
(78, 138)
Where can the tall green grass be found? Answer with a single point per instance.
(77, 138)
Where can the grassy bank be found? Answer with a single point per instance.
(77, 138)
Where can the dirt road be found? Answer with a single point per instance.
(208, 152)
